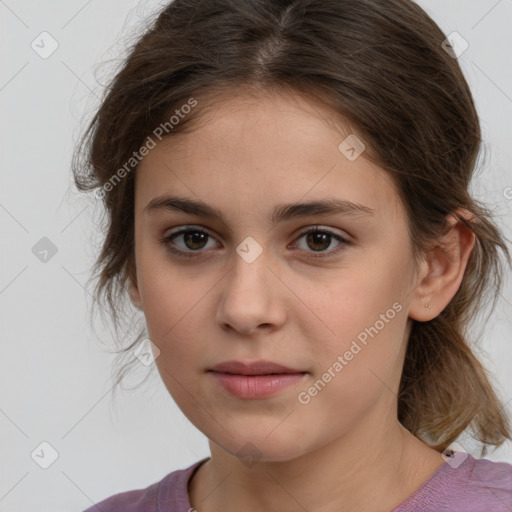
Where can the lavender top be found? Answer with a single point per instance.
(461, 484)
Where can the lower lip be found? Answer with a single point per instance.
(256, 386)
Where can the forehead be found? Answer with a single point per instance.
(275, 147)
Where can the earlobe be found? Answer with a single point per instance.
(134, 295)
(132, 285)
(443, 268)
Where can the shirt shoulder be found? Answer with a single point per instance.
(464, 484)
(168, 495)
(490, 486)
(130, 501)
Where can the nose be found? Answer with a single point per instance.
(252, 298)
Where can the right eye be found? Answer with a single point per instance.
(190, 241)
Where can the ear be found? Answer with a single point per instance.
(132, 286)
(133, 291)
(443, 268)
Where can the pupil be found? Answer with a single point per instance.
(195, 237)
(319, 238)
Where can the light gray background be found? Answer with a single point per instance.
(54, 375)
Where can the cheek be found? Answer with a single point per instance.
(173, 318)
(170, 294)
(172, 325)
(360, 362)
(175, 298)
(364, 314)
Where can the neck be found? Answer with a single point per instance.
(372, 468)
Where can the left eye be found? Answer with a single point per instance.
(319, 240)
(194, 239)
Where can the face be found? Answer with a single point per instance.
(323, 292)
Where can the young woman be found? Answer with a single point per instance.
(286, 186)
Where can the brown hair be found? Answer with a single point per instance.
(378, 64)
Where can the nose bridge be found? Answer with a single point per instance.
(249, 270)
(249, 297)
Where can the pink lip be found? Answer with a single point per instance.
(256, 368)
(254, 380)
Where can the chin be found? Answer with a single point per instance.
(252, 446)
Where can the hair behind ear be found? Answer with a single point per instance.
(444, 387)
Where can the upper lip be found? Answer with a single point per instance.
(255, 368)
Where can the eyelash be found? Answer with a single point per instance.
(167, 242)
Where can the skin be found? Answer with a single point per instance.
(345, 449)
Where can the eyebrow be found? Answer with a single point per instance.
(280, 212)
